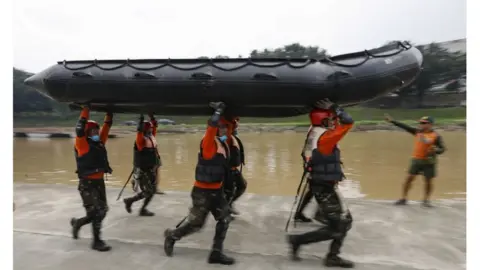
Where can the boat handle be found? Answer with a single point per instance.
(399, 81)
(144, 75)
(264, 76)
(201, 76)
(338, 75)
(80, 74)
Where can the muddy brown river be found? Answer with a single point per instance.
(375, 163)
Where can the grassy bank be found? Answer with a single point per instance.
(364, 116)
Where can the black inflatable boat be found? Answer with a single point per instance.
(250, 87)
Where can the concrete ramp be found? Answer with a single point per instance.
(383, 236)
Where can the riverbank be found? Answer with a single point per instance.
(383, 236)
(360, 114)
(446, 125)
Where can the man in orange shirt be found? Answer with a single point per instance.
(306, 155)
(325, 169)
(428, 144)
(146, 160)
(236, 184)
(207, 193)
(92, 164)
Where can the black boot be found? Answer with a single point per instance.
(426, 203)
(401, 202)
(100, 245)
(169, 242)
(299, 216)
(322, 234)
(128, 204)
(217, 257)
(302, 218)
(129, 201)
(336, 261)
(77, 225)
(75, 228)
(294, 247)
(145, 213)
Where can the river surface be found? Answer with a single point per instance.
(375, 163)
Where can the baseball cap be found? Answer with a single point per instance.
(426, 119)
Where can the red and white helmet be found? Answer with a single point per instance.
(147, 125)
(91, 124)
(318, 116)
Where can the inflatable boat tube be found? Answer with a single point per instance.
(262, 87)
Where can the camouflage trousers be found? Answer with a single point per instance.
(144, 181)
(94, 200)
(337, 218)
(206, 201)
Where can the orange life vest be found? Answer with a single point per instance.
(423, 143)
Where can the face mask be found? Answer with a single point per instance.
(235, 132)
(95, 138)
(148, 134)
(223, 138)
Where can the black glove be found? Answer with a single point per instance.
(109, 116)
(80, 127)
(85, 105)
(140, 123)
(326, 104)
(219, 108)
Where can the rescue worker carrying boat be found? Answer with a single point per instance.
(92, 164)
(308, 147)
(207, 193)
(326, 172)
(235, 185)
(146, 161)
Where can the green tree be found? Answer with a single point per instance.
(27, 99)
(439, 66)
(294, 50)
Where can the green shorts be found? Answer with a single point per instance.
(418, 166)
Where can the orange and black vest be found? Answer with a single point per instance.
(237, 156)
(326, 168)
(214, 170)
(94, 161)
(146, 158)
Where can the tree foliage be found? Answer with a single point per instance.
(439, 66)
(26, 99)
(294, 50)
